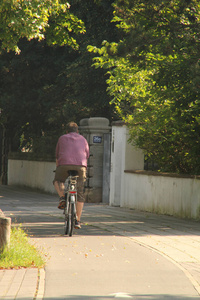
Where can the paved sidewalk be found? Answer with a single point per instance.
(175, 239)
(21, 284)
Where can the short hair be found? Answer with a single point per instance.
(72, 127)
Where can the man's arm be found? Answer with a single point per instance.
(57, 151)
(56, 162)
(87, 150)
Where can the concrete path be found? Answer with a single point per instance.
(118, 253)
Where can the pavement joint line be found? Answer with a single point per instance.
(6, 281)
(16, 283)
(155, 237)
(186, 272)
(121, 233)
(159, 240)
(25, 286)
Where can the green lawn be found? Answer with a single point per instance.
(21, 253)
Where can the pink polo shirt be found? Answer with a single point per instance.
(72, 149)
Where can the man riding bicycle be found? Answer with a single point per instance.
(72, 153)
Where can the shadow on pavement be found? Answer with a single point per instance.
(38, 213)
(53, 227)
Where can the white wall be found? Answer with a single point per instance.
(144, 190)
(128, 188)
(34, 174)
(162, 194)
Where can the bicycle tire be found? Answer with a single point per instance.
(72, 216)
(67, 219)
(66, 227)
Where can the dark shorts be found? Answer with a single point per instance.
(62, 174)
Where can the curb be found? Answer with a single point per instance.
(41, 285)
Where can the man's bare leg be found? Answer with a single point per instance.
(79, 208)
(60, 187)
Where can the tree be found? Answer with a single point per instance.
(154, 74)
(36, 19)
(51, 20)
(47, 86)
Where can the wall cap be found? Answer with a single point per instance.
(30, 156)
(96, 122)
(118, 123)
(153, 173)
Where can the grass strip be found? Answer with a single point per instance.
(21, 253)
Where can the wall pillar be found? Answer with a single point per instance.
(124, 156)
(5, 230)
(94, 129)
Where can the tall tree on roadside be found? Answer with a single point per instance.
(154, 78)
(47, 85)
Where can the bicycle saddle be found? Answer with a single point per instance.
(72, 173)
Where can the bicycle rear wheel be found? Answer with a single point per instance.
(67, 218)
(72, 215)
(67, 224)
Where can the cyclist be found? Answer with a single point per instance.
(72, 152)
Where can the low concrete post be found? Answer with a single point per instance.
(5, 229)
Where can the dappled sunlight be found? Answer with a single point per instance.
(39, 215)
(108, 235)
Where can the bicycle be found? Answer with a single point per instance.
(70, 202)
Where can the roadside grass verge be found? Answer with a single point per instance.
(20, 253)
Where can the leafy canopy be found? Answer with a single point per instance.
(47, 86)
(37, 19)
(153, 78)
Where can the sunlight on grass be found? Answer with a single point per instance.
(20, 254)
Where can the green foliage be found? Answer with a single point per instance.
(20, 253)
(62, 24)
(47, 86)
(36, 19)
(153, 78)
